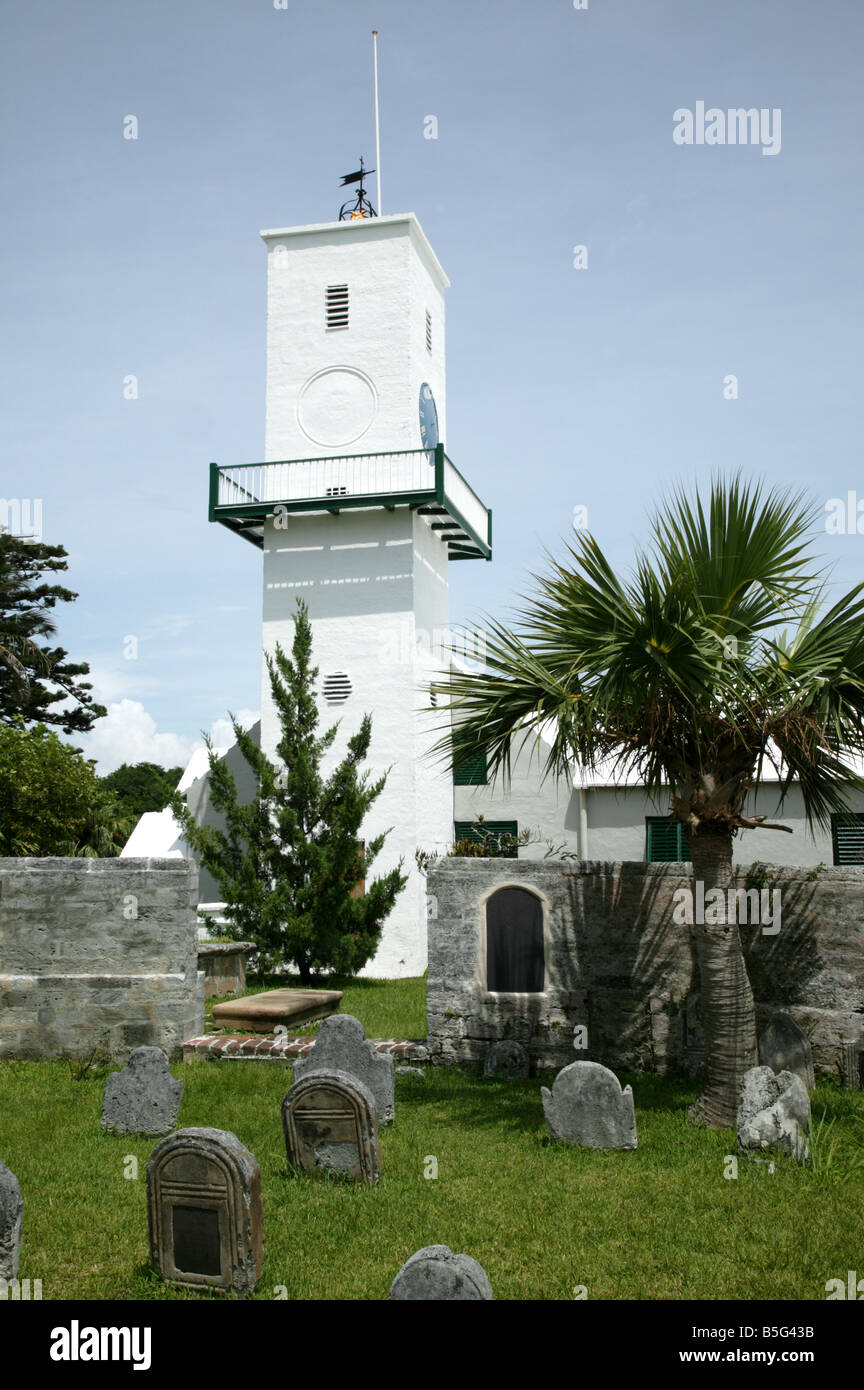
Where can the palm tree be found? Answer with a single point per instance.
(683, 676)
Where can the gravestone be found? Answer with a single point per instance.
(411, 1071)
(436, 1273)
(11, 1213)
(331, 1126)
(204, 1211)
(505, 1060)
(852, 1065)
(774, 1112)
(586, 1106)
(143, 1098)
(341, 1045)
(783, 1046)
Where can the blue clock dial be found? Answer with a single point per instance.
(428, 417)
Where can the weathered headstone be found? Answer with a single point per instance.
(341, 1045)
(331, 1126)
(436, 1273)
(587, 1106)
(411, 1071)
(143, 1098)
(11, 1212)
(852, 1065)
(783, 1046)
(506, 1060)
(204, 1211)
(774, 1112)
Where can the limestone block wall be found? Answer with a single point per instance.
(619, 966)
(98, 951)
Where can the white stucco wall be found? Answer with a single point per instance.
(548, 809)
(392, 277)
(375, 580)
(616, 828)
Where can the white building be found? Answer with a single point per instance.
(359, 511)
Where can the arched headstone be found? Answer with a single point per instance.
(506, 1060)
(331, 1126)
(783, 1046)
(436, 1273)
(204, 1211)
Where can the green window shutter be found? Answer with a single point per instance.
(470, 771)
(472, 830)
(665, 841)
(847, 837)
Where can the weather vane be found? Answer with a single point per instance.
(361, 207)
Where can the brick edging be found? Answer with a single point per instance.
(216, 1047)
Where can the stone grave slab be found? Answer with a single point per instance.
(783, 1046)
(260, 1013)
(587, 1106)
(204, 1211)
(11, 1214)
(341, 1045)
(331, 1126)
(435, 1273)
(143, 1098)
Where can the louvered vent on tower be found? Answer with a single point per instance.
(337, 306)
(337, 688)
(428, 331)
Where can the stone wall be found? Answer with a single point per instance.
(619, 965)
(98, 951)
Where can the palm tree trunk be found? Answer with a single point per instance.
(728, 1011)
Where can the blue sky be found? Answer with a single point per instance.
(597, 387)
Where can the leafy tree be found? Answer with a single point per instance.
(51, 800)
(26, 664)
(289, 862)
(142, 787)
(684, 675)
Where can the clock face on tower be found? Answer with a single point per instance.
(428, 417)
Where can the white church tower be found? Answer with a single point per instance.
(359, 511)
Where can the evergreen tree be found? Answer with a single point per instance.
(289, 863)
(25, 664)
(142, 787)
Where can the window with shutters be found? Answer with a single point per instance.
(497, 836)
(515, 945)
(470, 771)
(336, 298)
(847, 837)
(665, 841)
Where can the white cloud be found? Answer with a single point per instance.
(128, 734)
(221, 732)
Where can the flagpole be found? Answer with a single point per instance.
(377, 131)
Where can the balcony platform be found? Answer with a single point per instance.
(242, 498)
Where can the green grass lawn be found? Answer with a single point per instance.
(660, 1223)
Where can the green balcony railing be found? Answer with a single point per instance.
(243, 497)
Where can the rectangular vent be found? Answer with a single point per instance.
(428, 331)
(336, 492)
(337, 306)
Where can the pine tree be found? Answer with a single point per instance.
(289, 863)
(25, 664)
